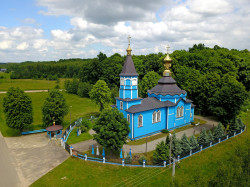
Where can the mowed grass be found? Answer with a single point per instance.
(28, 84)
(81, 107)
(203, 166)
(73, 138)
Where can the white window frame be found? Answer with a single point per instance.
(140, 116)
(121, 105)
(182, 112)
(134, 82)
(158, 116)
(190, 114)
(122, 81)
(128, 118)
(154, 117)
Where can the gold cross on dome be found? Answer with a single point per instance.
(129, 39)
(168, 47)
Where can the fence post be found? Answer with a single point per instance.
(210, 144)
(190, 152)
(234, 133)
(71, 148)
(143, 163)
(122, 162)
(103, 160)
(227, 136)
(164, 164)
(86, 157)
(219, 140)
(61, 141)
(64, 137)
(240, 130)
(201, 147)
(64, 144)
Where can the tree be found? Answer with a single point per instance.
(241, 124)
(234, 126)
(210, 136)
(176, 146)
(185, 144)
(148, 82)
(100, 94)
(203, 138)
(54, 108)
(193, 142)
(111, 129)
(18, 109)
(219, 131)
(161, 153)
(84, 88)
(71, 86)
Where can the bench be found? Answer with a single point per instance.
(33, 132)
(197, 124)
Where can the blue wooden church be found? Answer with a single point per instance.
(166, 106)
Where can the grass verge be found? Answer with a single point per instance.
(73, 138)
(201, 166)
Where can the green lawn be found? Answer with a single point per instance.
(28, 84)
(202, 166)
(80, 107)
(73, 138)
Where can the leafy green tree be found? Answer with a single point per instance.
(54, 108)
(176, 146)
(210, 136)
(203, 138)
(193, 142)
(84, 88)
(219, 131)
(100, 94)
(101, 56)
(148, 82)
(111, 129)
(18, 109)
(161, 153)
(185, 144)
(71, 86)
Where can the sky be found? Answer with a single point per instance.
(41, 30)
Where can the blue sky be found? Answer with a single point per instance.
(41, 30)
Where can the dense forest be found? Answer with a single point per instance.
(216, 79)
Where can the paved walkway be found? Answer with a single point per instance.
(87, 145)
(8, 172)
(35, 155)
(29, 91)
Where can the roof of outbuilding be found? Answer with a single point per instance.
(128, 67)
(54, 128)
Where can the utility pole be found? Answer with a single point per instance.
(170, 144)
(146, 145)
(173, 173)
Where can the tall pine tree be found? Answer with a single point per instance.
(161, 153)
(210, 136)
(185, 144)
(176, 146)
(234, 126)
(203, 138)
(241, 124)
(193, 142)
(219, 131)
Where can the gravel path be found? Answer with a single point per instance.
(87, 145)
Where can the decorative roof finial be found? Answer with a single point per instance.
(167, 64)
(129, 48)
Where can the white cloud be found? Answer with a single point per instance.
(5, 44)
(22, 46)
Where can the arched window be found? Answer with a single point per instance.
(134, 82)
(182, 112)
(128, 118)
(140, 120)
(121, 105)
(121, 81)
(178, 112)
(158, 116)
(154, 117)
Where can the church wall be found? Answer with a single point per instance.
(171, 117)
(173, 99)
(148, 126)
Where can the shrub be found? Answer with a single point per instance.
(84, 88)
(83, 129)
(57, 87)
(164, 131)
(128, 160)
(141, 160)
(161, 153)
(86, 123)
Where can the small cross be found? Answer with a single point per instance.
(129, 39)
(168, 47)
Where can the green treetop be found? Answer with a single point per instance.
(185, 144)
(203, 138)
(219, 131)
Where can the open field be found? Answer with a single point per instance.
(28, 84)
(202, 166)
(80, 107)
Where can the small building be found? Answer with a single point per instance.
(3, 70)
(54, 131)
(166, 107)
